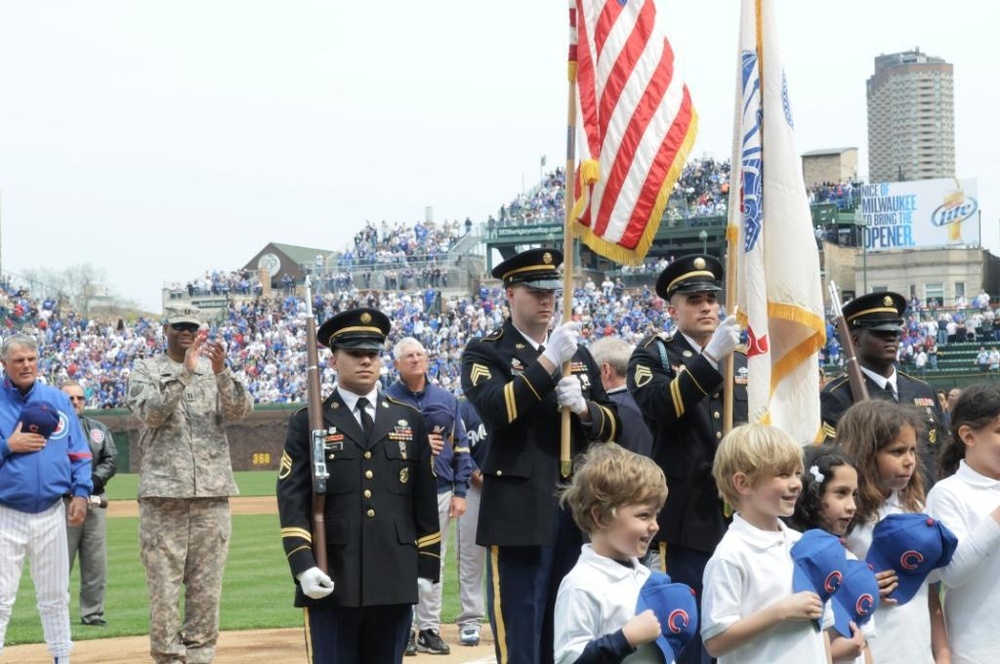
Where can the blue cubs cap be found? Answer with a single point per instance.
(819, 560)
(912, 545)
(39, 418)
(857, 597)
(675, 606)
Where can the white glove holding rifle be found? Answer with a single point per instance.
(315, 583)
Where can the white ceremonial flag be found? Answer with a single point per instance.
(779, 292)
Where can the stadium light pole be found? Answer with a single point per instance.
(703, 236)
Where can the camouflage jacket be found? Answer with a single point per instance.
(182, 437)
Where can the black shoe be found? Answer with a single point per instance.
(95, 622)
(411, 645)
(430, 641)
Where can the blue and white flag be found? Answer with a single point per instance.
(779, 292)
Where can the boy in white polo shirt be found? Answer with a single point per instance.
(750, 612)
(615, 496)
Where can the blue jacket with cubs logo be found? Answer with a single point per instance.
(34, 481)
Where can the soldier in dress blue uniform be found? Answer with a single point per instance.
(382, 530)
(512, 377)
(876, 324)
(678, 384)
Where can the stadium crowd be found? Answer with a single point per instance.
(265, 336)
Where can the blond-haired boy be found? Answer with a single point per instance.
(750, 613)
(615, 496)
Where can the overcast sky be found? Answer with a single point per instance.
(156, 140)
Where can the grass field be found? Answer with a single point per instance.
(257, 588)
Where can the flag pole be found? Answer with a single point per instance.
(736, 216)
(565, 462)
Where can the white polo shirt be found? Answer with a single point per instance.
(963, 503)
(597, 598)
(750, 570)
(904, 630)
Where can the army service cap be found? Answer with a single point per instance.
(690, 274)
(537, 268)
(186, 314)
(357, 329)
(879, 312)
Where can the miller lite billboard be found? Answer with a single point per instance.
(920, 214)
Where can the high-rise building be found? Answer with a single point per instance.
(911, 118)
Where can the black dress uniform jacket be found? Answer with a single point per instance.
(515, 397)
(836, 398)
(680, 394)
(382, 530)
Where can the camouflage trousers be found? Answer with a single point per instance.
(184, 541)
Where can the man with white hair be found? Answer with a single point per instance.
(452, 466)
(43, 457)
(612, 355)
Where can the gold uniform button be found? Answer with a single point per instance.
(718, 435)
(371, 513)
(715, 414)
(368, 454)
(368, 493)
(499, 473)
(369, 474)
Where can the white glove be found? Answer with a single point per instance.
(424, 586)
(315, 583)
(724, 340)
(570, 394)
(562, 343)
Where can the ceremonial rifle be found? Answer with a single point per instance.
(317, 435)
(858, 388)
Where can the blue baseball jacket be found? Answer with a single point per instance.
(34, 481)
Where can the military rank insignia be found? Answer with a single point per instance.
(404, 476)
(742, 376)
(286, 466)
(643, 375)
(479, 373)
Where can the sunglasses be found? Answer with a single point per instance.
(184, 327)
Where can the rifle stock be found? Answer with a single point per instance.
(317, 436)
(859, 391)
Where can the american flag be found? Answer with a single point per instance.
(638, 121)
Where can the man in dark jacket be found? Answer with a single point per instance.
(381, 523)
(90, 538)
(512, 377)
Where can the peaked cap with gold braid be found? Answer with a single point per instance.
(357, 329)
(537, 268)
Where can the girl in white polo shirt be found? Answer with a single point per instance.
(882, 436)
(968, 502)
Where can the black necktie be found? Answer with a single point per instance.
(889, 392)
(367, 424)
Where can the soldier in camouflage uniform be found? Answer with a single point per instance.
(183, 399)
